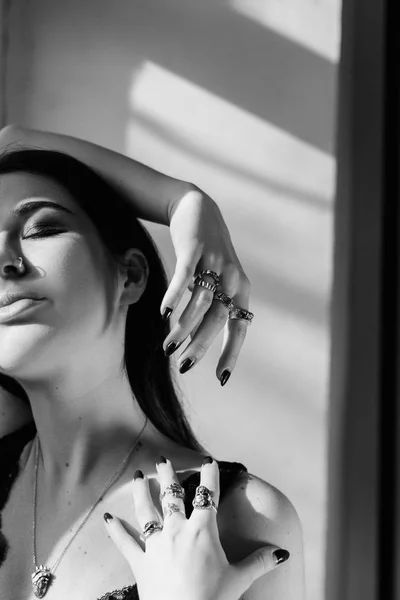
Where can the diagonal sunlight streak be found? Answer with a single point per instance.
(291, 240)
(316, 26)
(291, 233)
(276, 194)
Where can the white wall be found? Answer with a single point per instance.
(239, 97)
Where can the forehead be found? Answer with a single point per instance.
(17, 187)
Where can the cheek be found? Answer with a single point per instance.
(77, 283)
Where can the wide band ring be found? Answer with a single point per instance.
(150, 528)
(212, 274)
(240, 313)
(225, 299)
(209, 286)
(174, 489)
(172, 508)
(203, 498)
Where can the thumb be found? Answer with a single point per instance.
(125, 543)
(258, 563)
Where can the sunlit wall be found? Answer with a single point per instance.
(239, 97)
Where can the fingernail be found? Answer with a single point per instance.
(138, 474)
(207, 460)
(161, 459)
(280, 555)
(171, 347)
(225, 376)
(107, 517)
(187, 363)
(167, 313)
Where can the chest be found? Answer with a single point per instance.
(91, 565)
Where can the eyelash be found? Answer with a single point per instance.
(44, 231)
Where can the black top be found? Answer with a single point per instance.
(11, 447)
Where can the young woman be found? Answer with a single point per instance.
(87, 357)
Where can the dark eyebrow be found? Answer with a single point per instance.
(30, 207)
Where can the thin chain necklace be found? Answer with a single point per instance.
(43, 576)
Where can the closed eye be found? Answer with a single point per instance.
(44, 232)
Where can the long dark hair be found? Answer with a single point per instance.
(147, 367)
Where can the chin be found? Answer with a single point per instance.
(19, 344)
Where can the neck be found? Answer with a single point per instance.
(86, 430)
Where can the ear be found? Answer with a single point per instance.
(134, 271)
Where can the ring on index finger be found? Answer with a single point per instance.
(149, 528)
(209, 286)
(212, 274)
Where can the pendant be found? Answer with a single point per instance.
(40, 580)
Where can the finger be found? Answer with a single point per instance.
(258, 563)
(234, 334)
(209, 477)
(125, 543)
(199, 303)
(144, 505)
(182, 278)
(168, 476)
(213, 322)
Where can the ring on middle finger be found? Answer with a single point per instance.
(225, 299)
(174, 489)
(172, 508)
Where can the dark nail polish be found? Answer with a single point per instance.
(161, 459)
(107, 517)
(167, 313)
(171, 347)
(185, 366)
(138, 474)
(281, 555)
(225, 376)
(207, 460)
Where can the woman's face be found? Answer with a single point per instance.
(68, 266)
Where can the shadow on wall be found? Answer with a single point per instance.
(205, 42)
(304, 302)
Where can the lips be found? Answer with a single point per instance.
(14, 309)
(11, 297)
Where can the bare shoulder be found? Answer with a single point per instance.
(254, 513)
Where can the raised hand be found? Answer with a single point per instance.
(202, 242)
(183, 558)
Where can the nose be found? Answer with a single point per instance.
(9, 257)
(10, 266)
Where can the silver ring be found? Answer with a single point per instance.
(172, 508)
(174, 489)
(209, 286)
(20, 267)
(203, 498)
(240, 313)
(225, 299)
(212, 274)
(150, 528)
